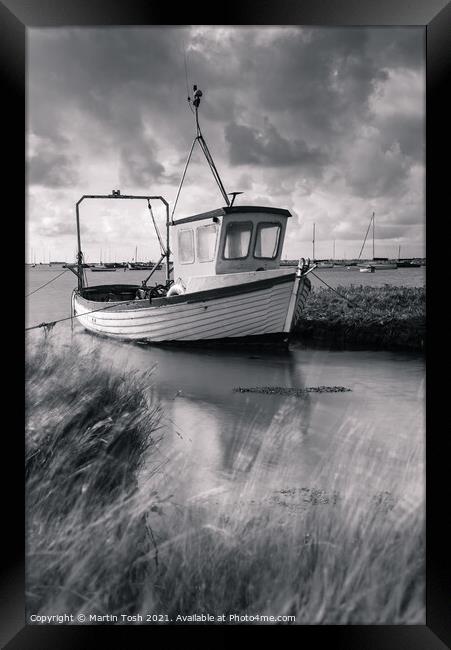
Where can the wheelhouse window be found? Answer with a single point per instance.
(206, 242)
(267, 240)
(238, 239)
(186, 246)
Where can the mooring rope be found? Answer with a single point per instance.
(338, 294)
(44, 285)
(60, 320)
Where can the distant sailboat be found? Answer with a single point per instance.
(376, 264)
(102, 267)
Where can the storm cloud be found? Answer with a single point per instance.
(267, 147)
(52, 169)
(328, 122)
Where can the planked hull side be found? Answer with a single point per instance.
(239, 315)
(304, 290)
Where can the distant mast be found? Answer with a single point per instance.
(366, 235)
(313, 242)
(373, 235)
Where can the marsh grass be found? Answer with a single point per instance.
(387, 317)
(347, 549)
(105, 536)
(88, 431)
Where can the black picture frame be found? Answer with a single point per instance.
(435, 16)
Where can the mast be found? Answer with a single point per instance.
(313, 242)
(373, 236)
(203, 145)
(79, 254)
(366, 235)
(334, 252)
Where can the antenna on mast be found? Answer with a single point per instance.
(233, 195)
(187, 84)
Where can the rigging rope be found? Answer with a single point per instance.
(212, 165)
(44, 285)
(162, 247)
(183, 177)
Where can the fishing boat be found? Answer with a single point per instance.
(227, 286)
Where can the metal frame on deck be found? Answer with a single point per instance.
(117, 195)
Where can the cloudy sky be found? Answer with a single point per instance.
(326, 122)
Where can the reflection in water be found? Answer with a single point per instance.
(219, 435)
(219, 439)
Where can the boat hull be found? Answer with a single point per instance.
(240, 314)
